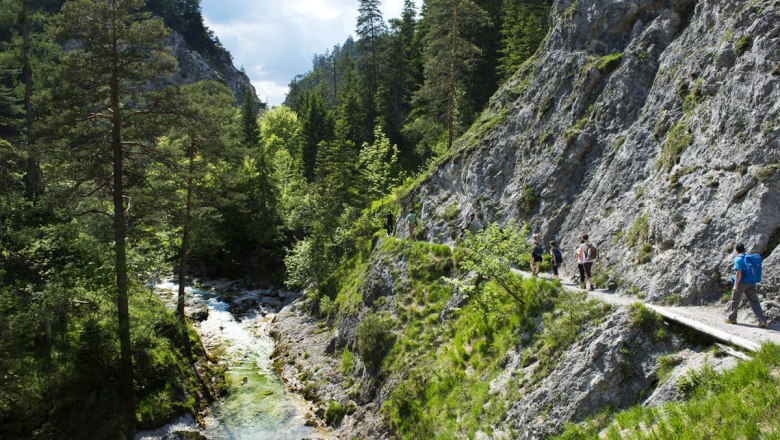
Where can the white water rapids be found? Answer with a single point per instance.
(258, 406)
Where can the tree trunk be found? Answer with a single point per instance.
(120, 236)
(185, 241)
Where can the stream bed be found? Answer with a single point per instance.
(257, 405)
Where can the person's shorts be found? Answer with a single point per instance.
(588, 267)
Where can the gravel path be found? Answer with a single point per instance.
(706, 319)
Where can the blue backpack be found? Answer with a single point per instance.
(753, 273)
(558, 256)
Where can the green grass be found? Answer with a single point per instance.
(447, 367)
(677, 141)
(609, 63)
(740, 403)
(638, 232)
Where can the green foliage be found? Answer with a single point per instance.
(765, 173)
(491, 253)
(378, 163)
(677, 140)
(374, 340)
(648, 321)
(645, 253)
(743, 44)
(334, 413)
(444, 392)
(638, 232)
(738, 403)
(608, 63)
(347, 361)
(524, 26)
(573, 132)
(527, 202)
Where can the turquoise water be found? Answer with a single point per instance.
(257, 407)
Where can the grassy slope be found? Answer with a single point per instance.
(741, 403)
(443, 369)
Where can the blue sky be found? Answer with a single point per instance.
(274, 40)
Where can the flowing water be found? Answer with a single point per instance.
(257, 406)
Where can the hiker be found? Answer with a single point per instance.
(591, 255)
(411, 220)
(746, 275)
(580, 255)
(389, 223)
(556, 261)
(536, 255)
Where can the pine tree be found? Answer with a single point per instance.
(250, 130)
(403, 74)
(451, 55)
(104, 89)
(371, 29)
(524, 27)
(316, 126)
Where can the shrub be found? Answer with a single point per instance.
(677, 141)
(638, 232)
(374, 339)
(334, 413)
(743, 44)
(648, 321)
(645, 253)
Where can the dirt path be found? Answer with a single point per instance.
(705, 319)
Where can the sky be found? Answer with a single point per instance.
(274, 40)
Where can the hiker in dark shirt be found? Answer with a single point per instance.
(389, 223)
(556, 260)
(536, 255)
(743, 285)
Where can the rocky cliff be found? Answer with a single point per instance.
(193, 66)
(652, 125)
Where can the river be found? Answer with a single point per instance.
(257, 406)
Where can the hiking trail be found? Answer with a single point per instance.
(705, 319)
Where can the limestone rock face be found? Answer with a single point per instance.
(652, 125)
(193, 67)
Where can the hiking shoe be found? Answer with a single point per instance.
(762, 325)
(730, 321)
(591, 289)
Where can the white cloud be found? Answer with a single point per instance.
(276, 40)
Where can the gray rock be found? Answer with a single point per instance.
(676, 85)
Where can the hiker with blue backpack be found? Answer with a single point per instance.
(747, 273)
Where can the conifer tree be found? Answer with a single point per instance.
(403, 74)
(524, 26)
(316, 126)
(250, 130)
(103, 88)
(450, 58)
(370, 30)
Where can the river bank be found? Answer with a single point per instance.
(234, 324)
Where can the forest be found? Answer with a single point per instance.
(112, 179)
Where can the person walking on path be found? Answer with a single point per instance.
(743, 284)
(536, 255)
(581, 262)
(591, 254)
(411, 220)
(556, 261)
(389, 223)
